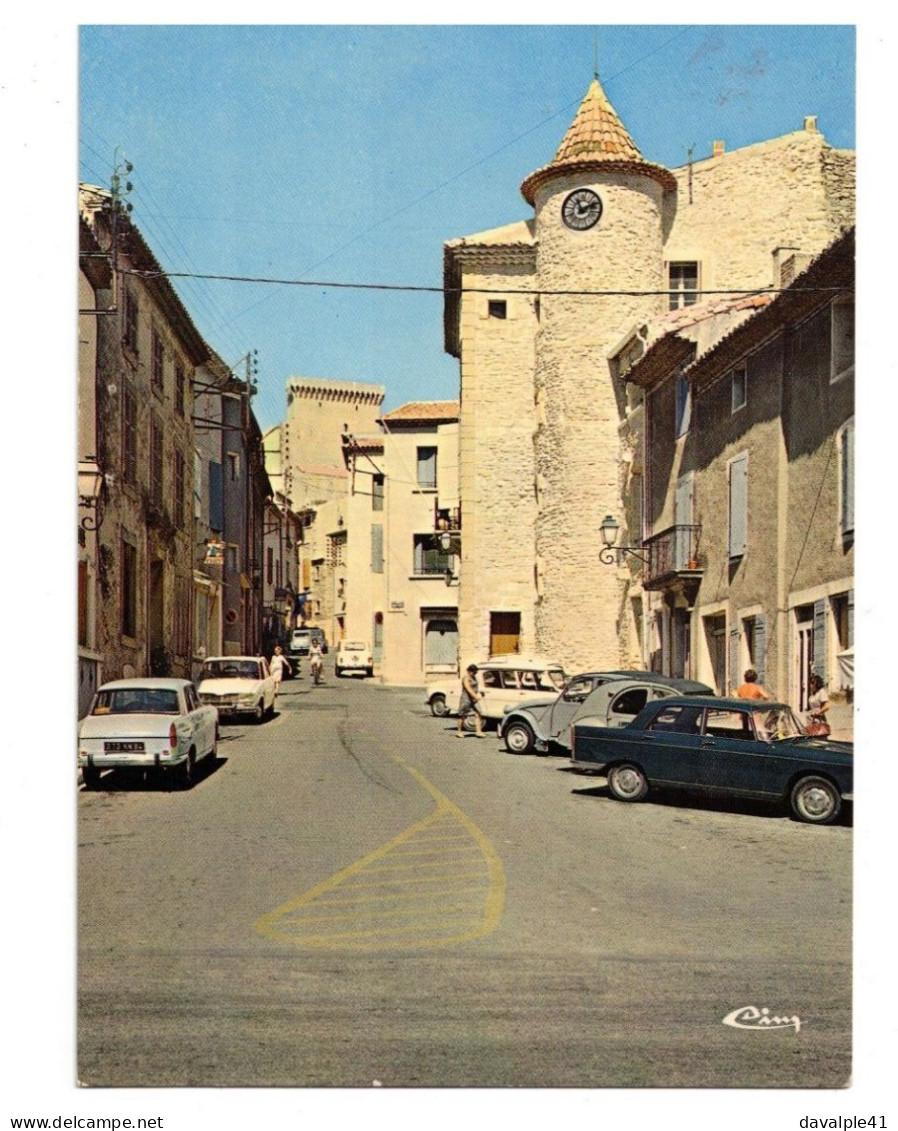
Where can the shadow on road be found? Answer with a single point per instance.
(683, 799)
(154, 781)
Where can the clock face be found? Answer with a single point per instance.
(582, 209)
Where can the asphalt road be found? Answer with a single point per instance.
(351, 895)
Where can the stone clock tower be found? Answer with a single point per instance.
(600, 217)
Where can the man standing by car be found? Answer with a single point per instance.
(467, 705)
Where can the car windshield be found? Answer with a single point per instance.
(349, 646)
(136, 701)
(230, 669)
(777, 723)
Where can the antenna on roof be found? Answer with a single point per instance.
(595, 56)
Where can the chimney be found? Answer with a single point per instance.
(717, 148)
(810, 125)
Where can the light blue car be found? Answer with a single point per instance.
(615, 697)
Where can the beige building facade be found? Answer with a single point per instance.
(550, 439)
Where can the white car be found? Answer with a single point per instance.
(150, 723)
(506, 682)
(238, 685)
(354, 656)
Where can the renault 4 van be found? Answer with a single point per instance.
(506, 681)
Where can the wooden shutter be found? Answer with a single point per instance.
(735, 675)
(377, 548)
(850, 642)
(738, 505)
(216, 497)
(847, 478)
(760, 656)
(819, 664)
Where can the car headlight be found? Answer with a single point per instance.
(247, 698)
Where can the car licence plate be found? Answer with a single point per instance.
(123, 747)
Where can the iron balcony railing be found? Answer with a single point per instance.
(446, 519)
(672, 554)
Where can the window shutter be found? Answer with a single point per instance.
(216, 497)
(735, 674)
(850, 618)
(819, 666)
(760, 656)
(738, 505)
(847, 477)
(377, 548)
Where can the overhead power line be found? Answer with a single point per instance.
(324, 284)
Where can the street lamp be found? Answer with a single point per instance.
(609, 553)
(90, 484)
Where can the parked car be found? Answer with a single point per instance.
(751, 748)
(318, 634)
(150, 723)
(299, 644)
(506, 682)
(353, 656)
(238, 685)
(617, 698)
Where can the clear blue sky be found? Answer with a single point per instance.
(350, 154)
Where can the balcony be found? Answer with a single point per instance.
(672, 556)
(447, 527)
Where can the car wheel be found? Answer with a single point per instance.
(338, 672)
(627, 782)
(259, 712)
(469, 724)
(90, 775)
(519, 739)
(185, 774)
(213, 753)
(816, 801)
(438, 706)
(369, 672)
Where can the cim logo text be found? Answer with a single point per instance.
(750, 1017)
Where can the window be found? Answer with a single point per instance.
(754, 636)
(739, 388)
(158, 370)
(179, 490)
(129, 318)
(336, 549)
(269, 564)
(233, 466)
(156, 461)
(377, 548)
(197, 485)
(129, 589)
(498, 308)
(377, 493)
(83, 597)
(630, 702)
(678, 720)
(683, 285)
(846, 477)
(428, 557)
(427, 468)
(180, 390)
(842, 359)
(730, 725)
(738, 505)
(683, 405)
(129, 434)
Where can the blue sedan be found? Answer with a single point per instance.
(750, 748)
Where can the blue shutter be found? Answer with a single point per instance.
(735, 674)
(738, 505)
(377, 548)
(760, 656)
(819, 666)
(216, 497)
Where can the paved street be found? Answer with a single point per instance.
(352, 894)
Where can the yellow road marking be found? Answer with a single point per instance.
(367, 900)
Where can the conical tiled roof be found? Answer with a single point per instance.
(596, 137)
(596, 134)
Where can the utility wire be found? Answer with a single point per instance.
(413, 288)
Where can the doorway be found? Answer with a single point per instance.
(505, 633)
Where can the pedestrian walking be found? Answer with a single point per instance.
(751, 689)
(467, 704)
(279, 663)
(818, 705)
